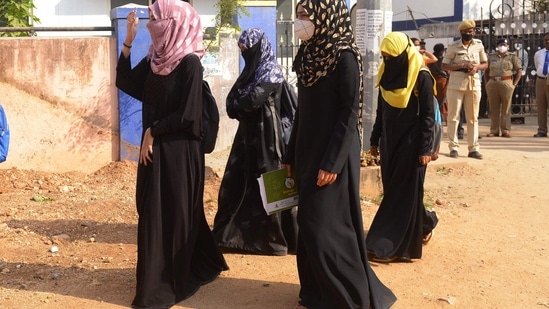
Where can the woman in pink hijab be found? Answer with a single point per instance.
(176, 252)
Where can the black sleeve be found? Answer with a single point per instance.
(289, 155)
(129, 80)
(378, 124)
(346, 128)
(426, 112)
(251, 101)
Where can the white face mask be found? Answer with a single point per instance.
(418, 48)
(304, 29)
(518, 46)
(502, 49)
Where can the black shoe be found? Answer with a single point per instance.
(475, 155)
(539, 134)
(454, 154)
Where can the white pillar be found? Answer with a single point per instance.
(372, 20)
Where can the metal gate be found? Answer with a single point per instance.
(286, 49)
(525, 27)
(520, 21)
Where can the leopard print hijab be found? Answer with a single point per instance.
(318, 56)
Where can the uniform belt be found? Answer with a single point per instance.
(501, 77)
(542, 77)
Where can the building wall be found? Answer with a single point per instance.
(74, 77)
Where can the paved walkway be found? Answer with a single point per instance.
(521, 141)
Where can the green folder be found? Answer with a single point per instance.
(278, 191)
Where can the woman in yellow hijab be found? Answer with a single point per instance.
(403, 136)
(399, 69)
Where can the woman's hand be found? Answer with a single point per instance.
(146, 148)
(325, 178)
(131, 32)
(288, 168)
(424, 160)
(132, 27)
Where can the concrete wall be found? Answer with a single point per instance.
(75, 77)
(73, 81)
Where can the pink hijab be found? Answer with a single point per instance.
(175, 33)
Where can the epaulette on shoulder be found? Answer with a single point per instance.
(477, 41)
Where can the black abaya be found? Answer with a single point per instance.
(331, 253)
(241, 222)
(403, 134)
(176, 250)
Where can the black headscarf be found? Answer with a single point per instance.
(396, 72)
(251, 59)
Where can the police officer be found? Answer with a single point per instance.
(500, 85)
(463, 59)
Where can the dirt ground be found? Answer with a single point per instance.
(68, 239)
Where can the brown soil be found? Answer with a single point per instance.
(489, 251)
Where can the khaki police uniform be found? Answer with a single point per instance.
(464, 89)
(500, 86)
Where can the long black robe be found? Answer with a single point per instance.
(403, 134)
(176, 252)
(331, 253)
(241, 222)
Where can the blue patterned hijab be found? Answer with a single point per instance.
(261, 65)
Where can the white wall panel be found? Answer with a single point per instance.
(422, 9)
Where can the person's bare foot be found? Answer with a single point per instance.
(427, 238)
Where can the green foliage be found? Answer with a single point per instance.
(225, 20)
(227, 11)
(17, 13)
(377, 200)
(443, 170)
(540, 7)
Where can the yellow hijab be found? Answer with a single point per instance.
(394, 44)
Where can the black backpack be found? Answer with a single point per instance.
(210, 118)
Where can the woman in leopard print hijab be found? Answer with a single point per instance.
(318, 56)
(324, 155)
